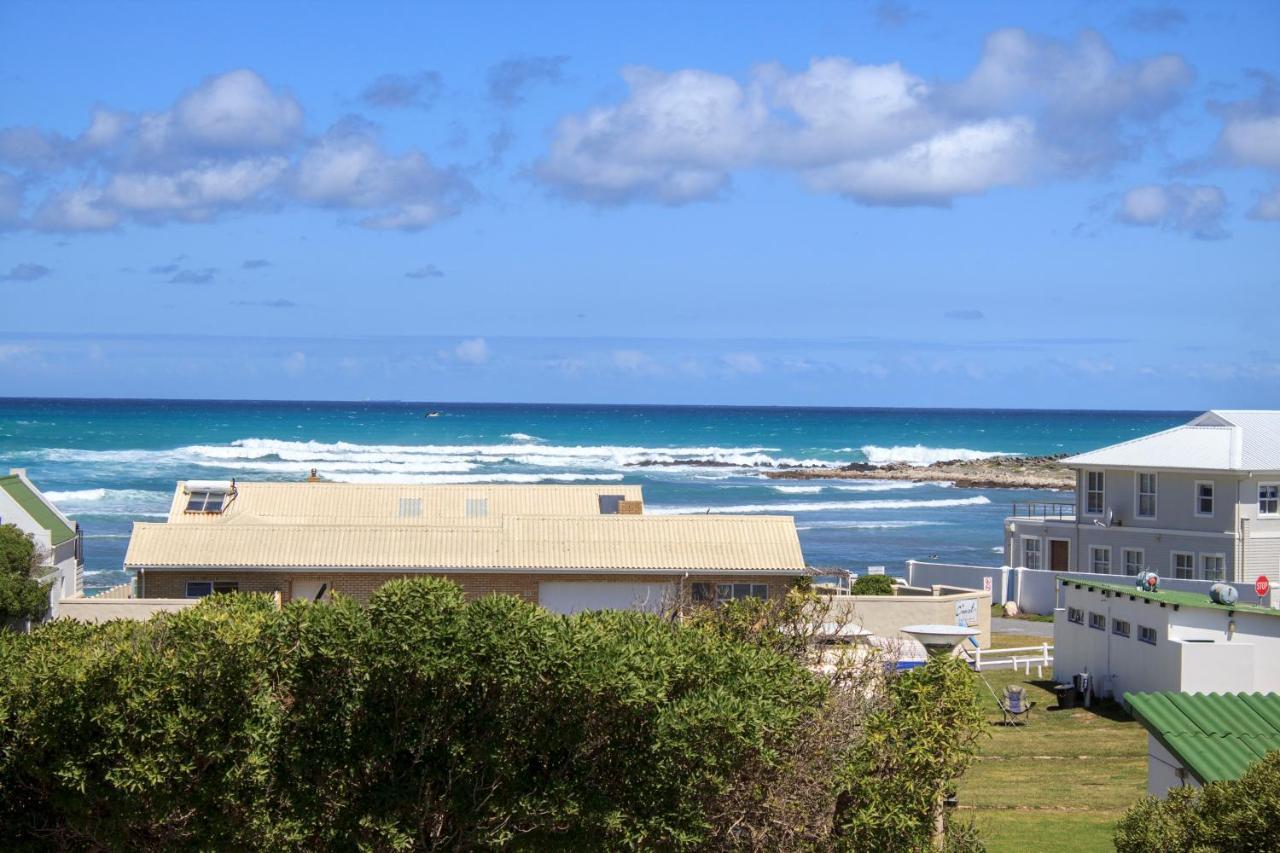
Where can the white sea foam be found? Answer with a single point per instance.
(77, 495)
(822, 506)
(461, 479)
(522, 436)
(798, 490)
(920, 455)
(864, 525)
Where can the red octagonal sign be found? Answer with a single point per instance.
(1262, 586)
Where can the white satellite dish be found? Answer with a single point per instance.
(1106, 518)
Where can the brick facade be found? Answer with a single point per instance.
(360, 585)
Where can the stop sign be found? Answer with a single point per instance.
(1262, 586)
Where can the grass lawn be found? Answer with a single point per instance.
(1059, 783)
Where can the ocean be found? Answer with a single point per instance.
(109, 463)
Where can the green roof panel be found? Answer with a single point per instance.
(35, 506)
(1215, 735)
(1172, 597)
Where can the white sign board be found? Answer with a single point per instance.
(875, 570)
(967, 613)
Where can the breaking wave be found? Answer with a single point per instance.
(821, 506)
(865, 525)
(920, 455)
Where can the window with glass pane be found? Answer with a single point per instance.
(1147, 635)
(1031, 553)
(1184, 565)
(205, 501)
(1204, 498)
(1076, 615)
(1133, 561)
(1098, 621)
(1147, 495)
(1269, 499)
(1213, 566)
(1094, 492)
(199, 589)
(1119, 627)
(1100, 560)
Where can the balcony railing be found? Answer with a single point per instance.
(1044, 509)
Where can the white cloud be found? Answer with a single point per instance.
(472, 351)
(232, 143)
(1195, 210)
(743, 362)
(634, 361)
(879, 134)
(1267, 207)
(1250, 133)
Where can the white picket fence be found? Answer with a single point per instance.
(1023, 656)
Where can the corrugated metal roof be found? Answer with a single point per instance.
(1172, 596)
(1215, 735)
(38, 507)
(1218, 440)
(325, 503)
(609, 542)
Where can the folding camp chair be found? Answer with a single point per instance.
(1014, 706)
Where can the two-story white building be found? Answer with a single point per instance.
(1200, 501)
(56, 537)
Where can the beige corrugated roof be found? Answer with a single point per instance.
(327, 503)
(609, 542)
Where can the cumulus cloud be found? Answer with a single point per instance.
(1155, 19)
(511, 80)
(233, 143)
(255, 264)
(347, 168)
(1267, 207)
(425, 271)
(472, 351)
(26, 272)
(1194, 210)
(398, 91)
(201, 276)
(1251, 128)
(1031, 108)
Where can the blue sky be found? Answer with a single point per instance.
(996, 204)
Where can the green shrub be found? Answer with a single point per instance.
(1237, 816)
(872, 585)
(21, 596)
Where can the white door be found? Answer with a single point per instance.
(576, 596)
(305, 589)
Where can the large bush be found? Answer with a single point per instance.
(423, 721)
(21, 596)
(872, 585)
(1239, 816)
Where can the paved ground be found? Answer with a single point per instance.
(1000, 625)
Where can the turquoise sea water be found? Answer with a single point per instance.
(108, 463)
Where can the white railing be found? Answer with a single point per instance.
(1022, 656)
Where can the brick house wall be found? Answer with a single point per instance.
(360, 585)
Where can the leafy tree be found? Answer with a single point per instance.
(1237, 816)
(872, 585)
(21, 596)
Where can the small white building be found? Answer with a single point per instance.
(1130, 641)
(56, 536)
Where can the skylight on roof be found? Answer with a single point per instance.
(206, 501)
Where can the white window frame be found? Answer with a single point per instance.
(739, 591)
(1213, 499)
(1138, 494)
(1213, 555)
(1099, 549)
(1101, 493)
(1124, 559)
(1173, 565)
(1261, 512)
(1147, 635)
(1039, 552)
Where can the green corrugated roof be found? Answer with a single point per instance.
(1215, 735)
(1168, 596)
(36, 507)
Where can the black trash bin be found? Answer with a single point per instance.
(1066, 695)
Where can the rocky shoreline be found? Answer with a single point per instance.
(999, 472)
